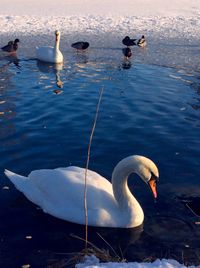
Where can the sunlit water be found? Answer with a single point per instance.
(150, 106)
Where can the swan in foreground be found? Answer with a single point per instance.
(11, 47)
(60, 192)
(50, 54)
(142, 42)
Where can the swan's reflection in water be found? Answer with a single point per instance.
(51, 68)
(119, 238)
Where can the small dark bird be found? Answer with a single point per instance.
(8, 47)
(11, 46)
(142, 42)
(127, 52)
(127, 41)
(15, 45)
(80, 45)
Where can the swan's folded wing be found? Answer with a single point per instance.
(66, 185)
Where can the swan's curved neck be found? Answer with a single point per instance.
(121, 191)
(57, 42)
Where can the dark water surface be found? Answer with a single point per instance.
(147, 108)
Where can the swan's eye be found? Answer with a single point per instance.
(154, 177)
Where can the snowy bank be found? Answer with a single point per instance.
(170, 19)
(183, 27)
(93, 262)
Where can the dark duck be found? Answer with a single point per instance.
(127, 41)
(80, 45)
(127, 52)
(11, 47)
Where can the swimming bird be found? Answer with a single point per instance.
(50, 54)
(127, 41)
(11, 46)
(127, 52)
(15, 45)
(142, 42)
(80, 45)
(60, 192)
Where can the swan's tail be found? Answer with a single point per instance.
(18, 180)
(24, 185)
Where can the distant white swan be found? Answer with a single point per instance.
(50, 54)
(60, 192)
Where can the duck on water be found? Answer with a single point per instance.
(11, 47)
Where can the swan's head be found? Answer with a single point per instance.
(148, 172)
(57, 34)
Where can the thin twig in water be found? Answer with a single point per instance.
(87, 165)
(90, 243)
(107, 244)
(101, 254)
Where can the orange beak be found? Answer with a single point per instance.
(152, 185)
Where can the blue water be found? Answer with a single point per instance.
(46, 117)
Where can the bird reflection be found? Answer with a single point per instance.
(46, 67)
(81, 57)
(12, 58)
(126, 64)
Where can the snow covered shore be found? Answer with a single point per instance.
(170, 19)
(93, 262)
(186, 28)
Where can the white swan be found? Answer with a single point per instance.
(60, 192)
(50, 54)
